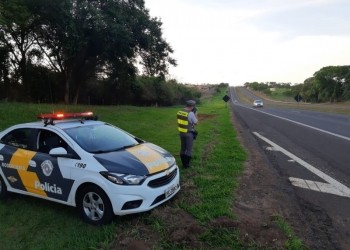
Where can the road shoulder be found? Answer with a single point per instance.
(263, 195)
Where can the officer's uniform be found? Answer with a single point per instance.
(186, 119)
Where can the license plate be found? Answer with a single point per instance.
(170, 190)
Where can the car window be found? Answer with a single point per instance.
(100, 138)
(20, 138)
(48, 140)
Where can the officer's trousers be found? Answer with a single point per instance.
(186, 143)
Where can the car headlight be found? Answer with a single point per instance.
(170, 160)
(124, 179)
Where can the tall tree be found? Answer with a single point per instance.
(66, 38)
(4, 72)
(331, 81)
(155, 51)
(16, 35)
(309, 90)
(83, 38)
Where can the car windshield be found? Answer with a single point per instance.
(101, 138)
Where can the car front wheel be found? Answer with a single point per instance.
(94, 206)
(3, 189)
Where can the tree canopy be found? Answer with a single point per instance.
(329, 84)
(63, 44)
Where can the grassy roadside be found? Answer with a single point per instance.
(207, 188)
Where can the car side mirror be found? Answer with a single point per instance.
(61, 152)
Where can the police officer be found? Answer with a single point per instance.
(186, 120)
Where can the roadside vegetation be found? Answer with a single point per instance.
(280, 97)
(327, 91)
(329, 84)
(190, 221)
(85, 52)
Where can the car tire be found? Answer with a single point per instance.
(94, 206)
(3, 189)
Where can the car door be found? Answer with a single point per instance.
(16, 153)
(28, 166)
(53, 180)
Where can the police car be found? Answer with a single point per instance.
(76, 160)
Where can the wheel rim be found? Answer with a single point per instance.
(93, 206)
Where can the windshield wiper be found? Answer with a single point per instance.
(100, 151)
(139, 140)
(128, 146)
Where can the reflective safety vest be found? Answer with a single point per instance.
(182, 121)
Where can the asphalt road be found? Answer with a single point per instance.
(311, 149)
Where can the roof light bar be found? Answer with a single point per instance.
(61, 116)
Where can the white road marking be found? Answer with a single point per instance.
(270, 148)
(332, 186)
(316, 186)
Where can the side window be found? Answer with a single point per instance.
(48, 140)
(20, 138)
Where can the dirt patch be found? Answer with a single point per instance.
(181, 229)
(202, 117)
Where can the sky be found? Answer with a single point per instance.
(238, 41)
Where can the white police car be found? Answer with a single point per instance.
(79, 161)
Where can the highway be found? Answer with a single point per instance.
(311, 149)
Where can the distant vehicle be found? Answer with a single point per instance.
(258, 104)
(78, 161)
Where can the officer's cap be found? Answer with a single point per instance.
(191, 103)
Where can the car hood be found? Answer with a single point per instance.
(143, 159)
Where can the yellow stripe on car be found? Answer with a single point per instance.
(21, 159)
(153, 160)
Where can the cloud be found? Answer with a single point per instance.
(309, 18)
(252, 40)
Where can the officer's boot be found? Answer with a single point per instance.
(183, 159)
(187, 161)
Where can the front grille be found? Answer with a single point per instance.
(163, 180)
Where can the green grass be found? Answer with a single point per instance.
(207, 188)
(293, 243)
(282, 94)
(29, 223)
(220, 161)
